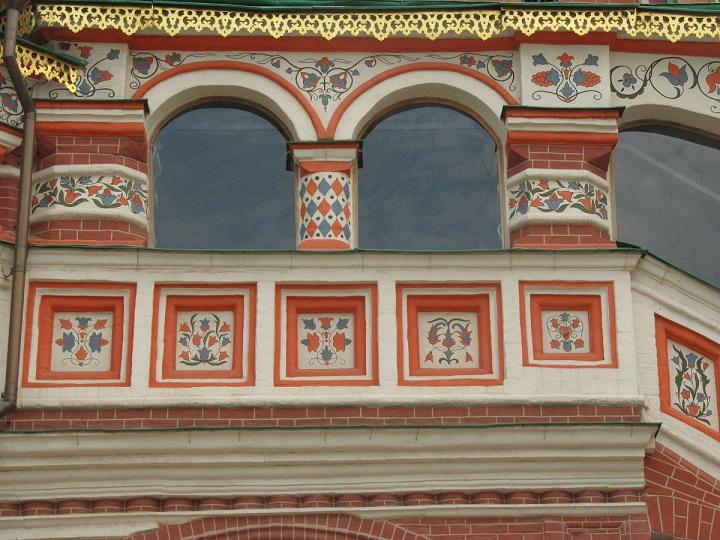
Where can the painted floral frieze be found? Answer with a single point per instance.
(144, 65)
(448, 340)
(325, 207)
(565, 332)
(555, 196)
(326, 341)
(101, 191)
(97, 78)
(204, 339)
(81, 341)
(693, 389)
(670, 77)
(565, 77)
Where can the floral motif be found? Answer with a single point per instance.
(82, 340)
(103, 191)
(326, 339)
(556, 196)
(90, 77)
(146, 64)
(566, 332)
(450, 340)
(567, 78)
(691, 385)
(498, 66)
(670, 76)
(205, 339)
(324, 79)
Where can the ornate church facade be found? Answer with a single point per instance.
(514, 335)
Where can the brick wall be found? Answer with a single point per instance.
(559, 236)
(595, 159)
(682, 499)
(168, 418)
(103, 231)
(71, 150)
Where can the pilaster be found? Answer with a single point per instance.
(325, 196)
(557, 190)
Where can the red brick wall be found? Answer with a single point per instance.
(595, 159)
(71, 150)
(102, 231)
(682, 500)
(560, 236)
(8, 203)
(162, 418)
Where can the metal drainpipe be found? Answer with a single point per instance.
(23, 213)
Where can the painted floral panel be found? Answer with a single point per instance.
(81, 342)
(102, 191)
(693, 389)
(554, 196)
(326, 341)
(448, 340)
(204, 340)
(566, 331)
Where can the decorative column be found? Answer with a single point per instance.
(557, 192)
(91, 183)
(325, 195)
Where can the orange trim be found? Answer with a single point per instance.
(239, 331)
(127, 129)
(429, 66)
(665, 330)
(237, 66)
(122, 104)
(562, 137)
(451, 300)
(327, 300)
(550, 112)
(309, 167)
(319, 244)
(580, 302)
(562, 285)
(329, 145)
(44, 334)
(347, 304)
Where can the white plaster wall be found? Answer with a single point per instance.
(6, 260)
(522, 384)
(658, 288)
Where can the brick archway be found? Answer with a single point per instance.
(287, 527)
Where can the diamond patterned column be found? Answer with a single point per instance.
(325, 205)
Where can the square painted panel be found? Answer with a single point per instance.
(449, 334)
(567, 324)
(326, 335)
(689, 377)
(78, 334)
(203, 335)
(326, 341)
(82, 342)
(565, 331)
(448, 340)
(204, 340)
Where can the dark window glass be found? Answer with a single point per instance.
(429, 181)
(667, 190)
(220, 182)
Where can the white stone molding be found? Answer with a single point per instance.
(348, 460)
(83, 113)
(422, 86)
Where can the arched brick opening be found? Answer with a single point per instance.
(288, 527)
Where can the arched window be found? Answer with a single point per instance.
(667, 190)
(429, 181)
(220, 182)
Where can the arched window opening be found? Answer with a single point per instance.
(429, 181)
(220, 181)
(667, 189)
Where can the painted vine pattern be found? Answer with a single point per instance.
(555, 196)
(691, 385)
(566, 332)
(449, 338)
(323, 79)
(670, 77)
(568, 79)
(204, 341)
(90, 78)
(498, 67)
(103, 191)
(324, 341)
(81, 341)
(146, 65)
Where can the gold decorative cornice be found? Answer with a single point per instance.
(35, 63)
(482, 24)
